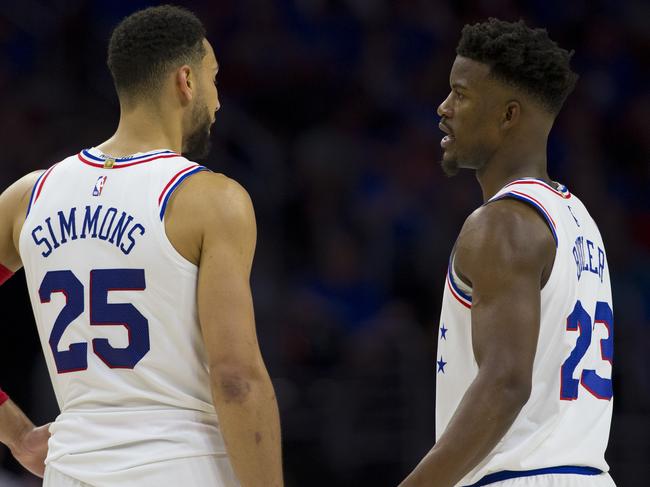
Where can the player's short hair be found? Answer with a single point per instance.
(523, 57)
(149, 43)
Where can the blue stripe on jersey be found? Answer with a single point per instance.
(31, 198)
(124, 159)
(534, 205)
(456, 288)
(513, 474)
(173, 188)
(90, 156)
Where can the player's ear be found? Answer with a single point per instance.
(511, 114)
(185, 83)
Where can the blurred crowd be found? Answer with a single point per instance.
(329, 120)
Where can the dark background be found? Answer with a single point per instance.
(328, 119)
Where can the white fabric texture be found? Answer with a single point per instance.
(213, 471)
(565, 480)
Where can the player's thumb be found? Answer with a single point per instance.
(37, 439)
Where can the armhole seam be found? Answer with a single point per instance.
(31, 198)
(535, 205)
(541, 211)
(167, 193)
(161, 214)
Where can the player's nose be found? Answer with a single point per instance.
(444, 109)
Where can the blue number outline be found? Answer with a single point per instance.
(76, 357)
(579, 320)
(103, 313)
(598, 386)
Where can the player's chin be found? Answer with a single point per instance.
(449, 164)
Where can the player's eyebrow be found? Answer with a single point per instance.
(456, 85)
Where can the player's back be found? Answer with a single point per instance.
(115, 307)
(565, 423)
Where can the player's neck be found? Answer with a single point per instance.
(521, 154)
(142, 130)
(528, 162)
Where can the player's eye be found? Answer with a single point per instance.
(459, 95)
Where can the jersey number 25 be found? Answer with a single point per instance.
(102, 313)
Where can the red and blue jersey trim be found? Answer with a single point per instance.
(463, 298)
(535, 204)
(562, 192)
(174, 183)
(38, 188)
(87, 158)
(513, 474)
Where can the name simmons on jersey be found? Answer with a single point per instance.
(94, 222)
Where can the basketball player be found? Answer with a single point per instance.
(525, 344)
(137, 262)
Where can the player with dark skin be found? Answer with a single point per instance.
(505, 252)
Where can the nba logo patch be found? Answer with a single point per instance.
(99, 185)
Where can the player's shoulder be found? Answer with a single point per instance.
(501, 218)
(13, 209)
(27, 181)
(19, 192)
(504, 230)
(211, 187)
(209, 207)
(214, 196)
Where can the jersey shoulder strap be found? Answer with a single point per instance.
(175, 177)
(538, 194)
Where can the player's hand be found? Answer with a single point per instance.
(32, 449)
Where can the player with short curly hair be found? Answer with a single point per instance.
(147, 44)
(137, 261)
(522, 57)
(525, 343)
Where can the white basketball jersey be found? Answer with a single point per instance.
(115, 306)
(564, 426)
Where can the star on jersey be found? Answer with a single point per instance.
(441, 365)
(443, 332)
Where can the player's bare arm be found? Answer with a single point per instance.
(211, 222)
(27, 443)
(13, 205)
(505, 252)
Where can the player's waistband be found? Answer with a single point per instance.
(513, 474)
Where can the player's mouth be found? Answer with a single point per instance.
(448, 139)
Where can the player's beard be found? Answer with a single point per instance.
(450, 167)
(475, 158)
(197, 144)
